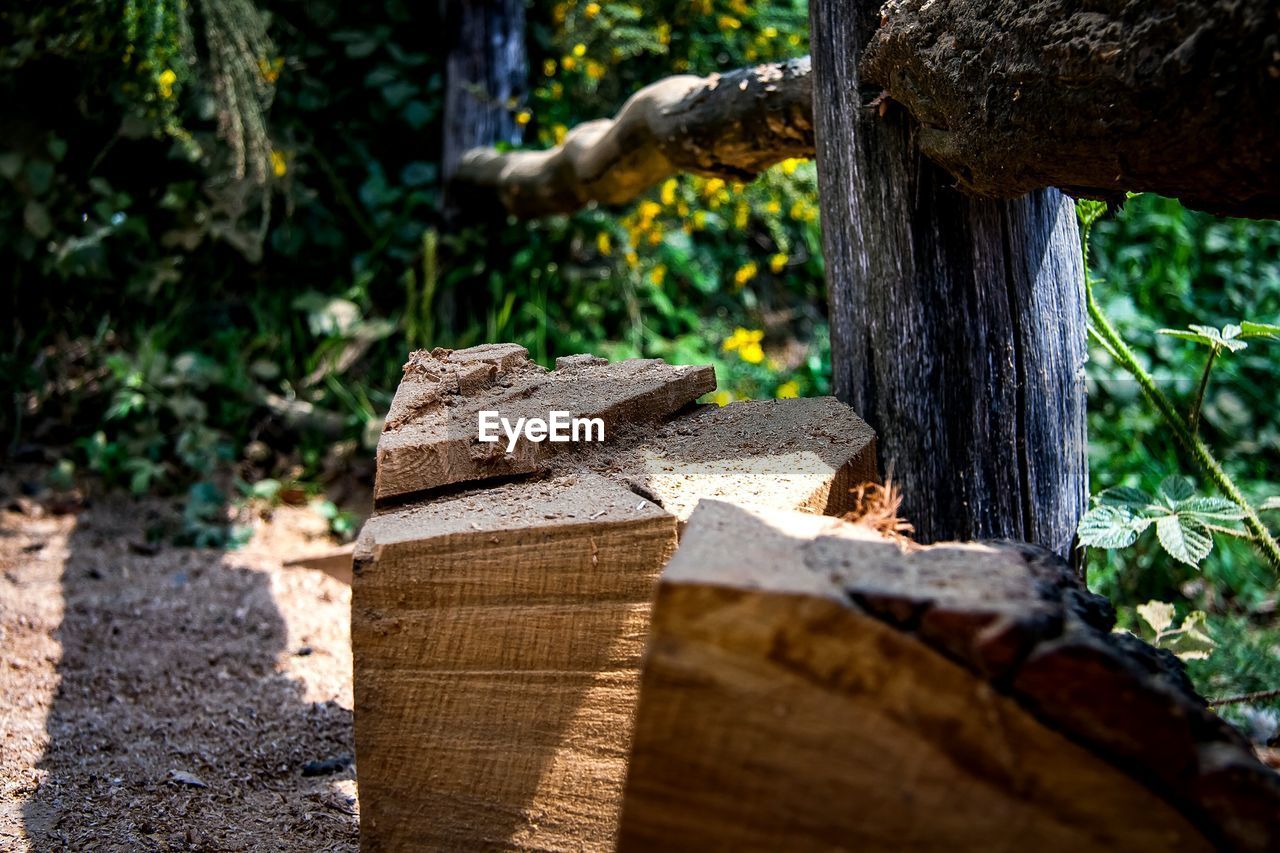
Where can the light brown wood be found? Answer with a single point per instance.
(496, 639)
(497, 631)
(429, 439)
(811, 686)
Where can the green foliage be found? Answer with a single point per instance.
(1184, 522)
(1165, 268)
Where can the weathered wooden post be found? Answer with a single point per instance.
(957, 324)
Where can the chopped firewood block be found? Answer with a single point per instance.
(497, 636)
(803, 454)
(809, 685)
(430, 438)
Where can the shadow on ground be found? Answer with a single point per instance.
(179, 720)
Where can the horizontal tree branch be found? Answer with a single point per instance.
(732, 125)
(1178, 97)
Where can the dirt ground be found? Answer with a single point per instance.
(170, 698)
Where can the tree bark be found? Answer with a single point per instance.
(957, 324)
(1178, 97)
(486, 76)
(734, 125)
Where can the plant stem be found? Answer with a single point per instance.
(1190, 442)
(1204, 385)
(1246, 697)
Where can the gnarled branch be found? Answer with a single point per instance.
(1178, 97)
(731, 125)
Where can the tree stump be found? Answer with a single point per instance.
(500, 602)
(810, 685)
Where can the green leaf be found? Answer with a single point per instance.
(1213, 509)
(1157, 614)
(1192, 641)
(1184, 538)
(1250, 329)
(1135, 500)
(1107, 526)
(1271, 503)
(1175, 488)
(1228, 337)
(1194, 337)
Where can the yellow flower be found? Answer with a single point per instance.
(712, 187)
(774, 206)
(278, 164)
(788, 390)
(523, 117)
(559, 12)
(699, 219)
(568, 63)
(789, 165)
(722, 398)
(548, 67)
(751, 354)
(669, 191)
(770, 32)
(557, 89)
(745, 273)
(604, 244)
(741, 215)
(595, 70)
(778, 262)
(591, 10)
(165, 81)
(271, 70)
(560, 132)
(633, 260)
(648, 210)
(579, 50)
(658, 275)
(664, 34)
(728, 22)
(742, 339)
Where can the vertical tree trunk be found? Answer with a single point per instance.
(486, 74)
(957, 324)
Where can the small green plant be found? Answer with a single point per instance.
(1189, 640)
(1184, 523)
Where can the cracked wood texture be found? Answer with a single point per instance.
(809, 685)
(497, 627)
(429, 439)
(957, 324)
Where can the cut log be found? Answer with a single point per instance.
(811, 686)
(496, 639)
(430, 436)
(804, 454)
(497, 631)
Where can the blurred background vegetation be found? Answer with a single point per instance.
(219, 233)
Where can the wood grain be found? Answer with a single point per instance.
(497, 630)
(809, 685)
